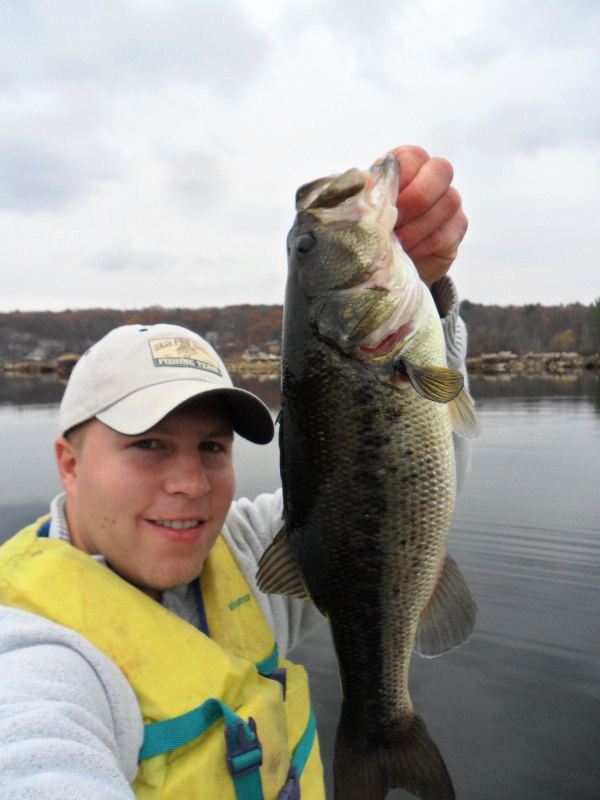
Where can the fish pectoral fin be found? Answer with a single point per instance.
(439, 384)
(278, 571)
(463, 416)
(448, 619)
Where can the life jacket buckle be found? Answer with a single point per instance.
(291, 790)
(245, 756)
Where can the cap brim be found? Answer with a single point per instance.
(141, 411)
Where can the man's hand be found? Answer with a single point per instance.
(431, 223)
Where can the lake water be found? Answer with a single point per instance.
(516, 711)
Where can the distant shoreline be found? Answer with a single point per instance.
(269, 366)
(508, 363)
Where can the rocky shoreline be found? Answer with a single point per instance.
(61, 367)
(509, 363)
(269, 366)
(262, 365)
(504, 363)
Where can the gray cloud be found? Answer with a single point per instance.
(353, 24)
(531, 127)
(538, 25)
(550, 23)
(115, 43)
(126, 260)
(359, 20)
(66, 67)
(194, 179)
(47, 172)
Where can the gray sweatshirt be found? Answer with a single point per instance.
(70, 724)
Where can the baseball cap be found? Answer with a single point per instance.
(137, 374)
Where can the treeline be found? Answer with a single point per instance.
(50, 334)
(492, 329)
(532, 328)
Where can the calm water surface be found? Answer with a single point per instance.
(515, 712)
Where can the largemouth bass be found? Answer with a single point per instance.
(367, 463)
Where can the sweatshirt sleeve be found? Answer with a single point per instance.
(455, 333)
(249, 529)
(70, 724)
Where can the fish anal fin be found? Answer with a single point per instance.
(439, 384)
(278, 571)
(463, 416)
(407, 758)
(448, 619)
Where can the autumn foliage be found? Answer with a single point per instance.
(233, 329)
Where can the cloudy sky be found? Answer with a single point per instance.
(150, 149)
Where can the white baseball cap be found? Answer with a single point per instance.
(137, 374)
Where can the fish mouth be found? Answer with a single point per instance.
(395, 274)
(377, 304)
(349, 196)
(381, 192)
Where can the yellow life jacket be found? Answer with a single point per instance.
(215, 727)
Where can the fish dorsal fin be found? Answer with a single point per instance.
(439, 384)
(463, 416)
(448, 619)
(278, 571)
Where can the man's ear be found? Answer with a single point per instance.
(67, 459)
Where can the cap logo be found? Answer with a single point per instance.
(181, 352)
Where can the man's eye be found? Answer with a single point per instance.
(211, 447)
(146, 444)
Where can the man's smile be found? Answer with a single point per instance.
(176, 524)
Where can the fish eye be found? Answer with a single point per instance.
(305, 243)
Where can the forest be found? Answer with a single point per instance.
(533, 328)
(45, 335)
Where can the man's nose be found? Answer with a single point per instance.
(187, 475)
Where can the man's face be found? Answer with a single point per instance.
(154, 504)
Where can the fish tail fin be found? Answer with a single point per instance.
(409, 760)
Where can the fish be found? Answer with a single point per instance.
(368, 411)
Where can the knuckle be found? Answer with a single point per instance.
(453, 201)
(443, 168)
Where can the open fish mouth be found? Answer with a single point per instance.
(365, 290)
(354, 193)
(382, 191)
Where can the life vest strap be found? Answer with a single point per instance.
(269, 664)
(305, 745)
(291, 790)
(244, 751)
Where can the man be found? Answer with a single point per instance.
(107, 690)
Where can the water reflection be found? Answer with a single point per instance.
(578, 384)
(516, 712)
(24, 390)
